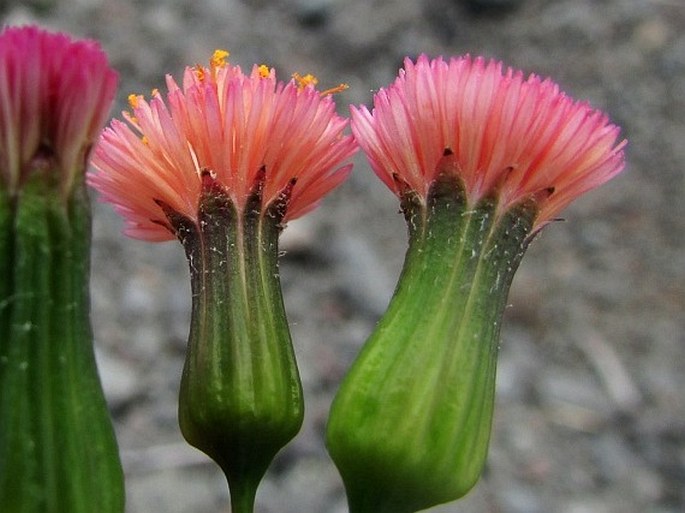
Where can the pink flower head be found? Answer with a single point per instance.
(55, 95)
(238, 127)
(505, 136)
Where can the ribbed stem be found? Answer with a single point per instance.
(410, 425)
(57, 448)
(240, 399)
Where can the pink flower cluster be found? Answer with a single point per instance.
(234, 125)
(505, 136)
(55, 95)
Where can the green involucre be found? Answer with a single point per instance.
(410, 425)
(57, 448)
(241, 399)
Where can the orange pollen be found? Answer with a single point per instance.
(155, 92)
(334, 90)
(200, 72)
(145, 141)
(133, 100)
(218, 59)
(264, 71)
(304, 81)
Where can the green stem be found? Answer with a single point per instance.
(6, 267)
(57, 447)
(410, 425)
(240, 400)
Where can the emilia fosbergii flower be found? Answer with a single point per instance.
(57, 448)
(481, 158)
(222, 164)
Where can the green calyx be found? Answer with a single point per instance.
(57, 447)
(410, 425)
(240, 399)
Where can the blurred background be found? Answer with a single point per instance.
(590, 411)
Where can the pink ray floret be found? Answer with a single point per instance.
(55, 95)
(235, 126)
(503, 134)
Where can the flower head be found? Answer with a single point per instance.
(240, 128)
(55, 94)
(503, 135)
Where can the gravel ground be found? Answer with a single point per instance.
(591, 411)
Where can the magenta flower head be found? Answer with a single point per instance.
(55, 95)
(504, 136)
(246, 133)
(222, 164)
(481, 158)
(57, 445)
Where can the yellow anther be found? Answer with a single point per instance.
(133, 100)
(334, 90)
(145, 141)
(304, 81)
(264, 71)
(155, 92)
(218, 59)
